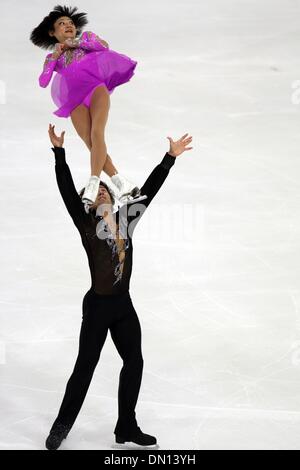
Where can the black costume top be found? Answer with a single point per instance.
(110, 262)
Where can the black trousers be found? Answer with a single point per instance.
(101, 313)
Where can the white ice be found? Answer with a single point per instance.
(218, 296)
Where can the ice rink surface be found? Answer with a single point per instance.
(216, 275)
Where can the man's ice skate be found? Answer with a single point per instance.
(129, 193)
(140, 439)
(91, 190)
(56, 436)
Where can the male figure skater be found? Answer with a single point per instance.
(107, 239)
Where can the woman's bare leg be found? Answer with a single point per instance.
(82, 122)
(99, 109)
(109, 167)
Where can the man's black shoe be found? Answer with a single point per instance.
(57, 434)
(139, 438)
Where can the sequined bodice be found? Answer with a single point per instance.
(71, 55)
(87, 43)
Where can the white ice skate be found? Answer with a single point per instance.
(91, 190)
(129, 193)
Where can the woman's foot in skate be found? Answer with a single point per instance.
(91, 190)
(129, 193)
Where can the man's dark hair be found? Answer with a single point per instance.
(108, 189)
(40, 35)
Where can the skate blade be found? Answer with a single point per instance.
(134, 200)
(132, 445)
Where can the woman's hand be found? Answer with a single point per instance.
(72, 43)
(58, 50)
(178, 147)
(55, 140)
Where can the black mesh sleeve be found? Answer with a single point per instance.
(151, 187)
(67, 189)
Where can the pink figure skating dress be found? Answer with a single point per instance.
(80, 70)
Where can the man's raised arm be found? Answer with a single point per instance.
(157, 177)
(67, 188)
(65, 182)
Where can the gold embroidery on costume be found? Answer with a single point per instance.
(71, 55)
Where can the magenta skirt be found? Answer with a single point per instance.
(74, 85)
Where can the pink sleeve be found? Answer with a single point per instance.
(47, 72)
(91, 42)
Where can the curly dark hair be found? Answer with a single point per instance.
(40, 35)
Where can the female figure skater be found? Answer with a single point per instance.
(87, 73)
(107, 305)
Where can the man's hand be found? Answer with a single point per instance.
(178, 147)
(55, 140)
